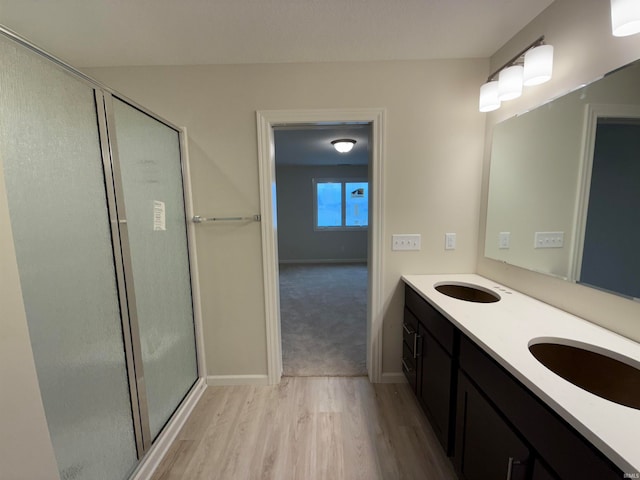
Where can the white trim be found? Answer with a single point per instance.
(160, 447)
(397, 377)
(224, 380)
(592, 112)
(269, 230)
(266, 120)
(193, 255)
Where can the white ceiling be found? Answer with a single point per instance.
(311, 145)
(186, 32)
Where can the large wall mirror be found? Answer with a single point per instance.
(564, 188)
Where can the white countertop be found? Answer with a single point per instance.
(505, 328)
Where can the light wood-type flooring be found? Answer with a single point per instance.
(307, 428)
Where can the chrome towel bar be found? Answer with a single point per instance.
(252, 218)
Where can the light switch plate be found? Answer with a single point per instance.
(504, 239)
(410, 241)
(449, 241)
(548, 240)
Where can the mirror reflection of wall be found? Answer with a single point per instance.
(539, 206)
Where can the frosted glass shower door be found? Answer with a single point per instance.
(51, 149)
(148, 153)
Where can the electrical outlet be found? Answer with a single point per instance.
(449, 241)
(406, 242)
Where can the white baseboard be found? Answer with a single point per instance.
(221, 380)
(328, 260)
(393, 378)
(156, 453)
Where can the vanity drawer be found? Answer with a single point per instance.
(409, 366)
(439, 326)
(410, 331)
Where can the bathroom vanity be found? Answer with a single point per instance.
(497, 410)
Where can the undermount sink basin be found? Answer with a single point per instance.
(599, 373)
(467, 292)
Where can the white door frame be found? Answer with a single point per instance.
(266, 120)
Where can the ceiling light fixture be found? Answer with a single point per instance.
(625, 17)
(532, 66)
(343, 145)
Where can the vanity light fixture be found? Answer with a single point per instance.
(489, 100)
(510, 82)
(538, 65)
(625, 17)
(343, 145)
(532, 66)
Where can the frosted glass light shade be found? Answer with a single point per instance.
(489, 100)
(343, 145)
(510, 83)
(538, 65)
(625, 17)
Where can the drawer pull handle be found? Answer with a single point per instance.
(512, 462)
(406, 367)
(406, 329)
(415, 346)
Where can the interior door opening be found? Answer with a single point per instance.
(323, 248)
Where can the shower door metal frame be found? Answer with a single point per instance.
(103, 96)
(130, 324)
(129, 299)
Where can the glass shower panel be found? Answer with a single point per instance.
(149, 156)
(50, 146)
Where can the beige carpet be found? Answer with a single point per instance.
(323, 312)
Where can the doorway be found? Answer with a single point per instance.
(322, 218)
(268, 121)
(606, 196)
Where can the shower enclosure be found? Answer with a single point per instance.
(95, 194)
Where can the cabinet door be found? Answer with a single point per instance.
(434, 386)
(541, 473)
(486, 447)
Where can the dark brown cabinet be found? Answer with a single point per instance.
(486, 445)
(436, 377)
(490, 423)
(433, 344)
(549, 438)
(540, 472)
(410, 341)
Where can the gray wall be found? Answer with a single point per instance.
(610, 259)
(26, 451)
(297, 239)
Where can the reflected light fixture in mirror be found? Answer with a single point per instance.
(532, 66)
(343, 145)
(625, 17)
